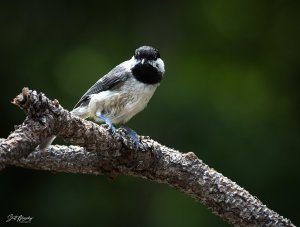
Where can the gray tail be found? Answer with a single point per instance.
(44, 145)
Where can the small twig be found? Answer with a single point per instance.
(104, 154)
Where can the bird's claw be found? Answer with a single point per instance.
(134, 144)
(110, 128)
(134, 139)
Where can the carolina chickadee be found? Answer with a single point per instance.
(123, 92)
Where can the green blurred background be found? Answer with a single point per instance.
(230, 94)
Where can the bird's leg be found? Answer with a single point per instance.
(133, 136)
(107, 121)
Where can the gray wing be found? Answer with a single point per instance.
(116, 77)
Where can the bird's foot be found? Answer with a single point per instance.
(135, 143)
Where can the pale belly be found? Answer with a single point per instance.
(119, 106)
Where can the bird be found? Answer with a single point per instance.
(122, 93)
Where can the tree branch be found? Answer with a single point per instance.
(98, 153)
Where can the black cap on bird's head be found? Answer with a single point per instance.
(147, 53)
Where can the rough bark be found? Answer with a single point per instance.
(99, 153)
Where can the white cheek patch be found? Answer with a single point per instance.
(158, 64)
(128, 65)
